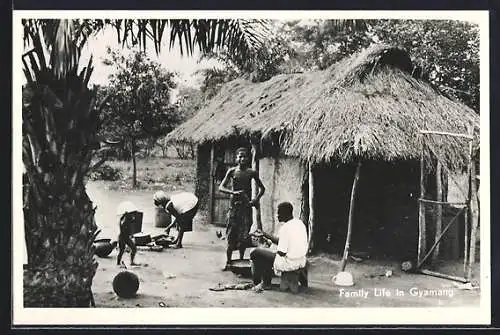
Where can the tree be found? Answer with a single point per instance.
(138, 105)
(321, 43)
(189, 101)
(448, 51)
(60, 127)
(270, 59)
(290, 48)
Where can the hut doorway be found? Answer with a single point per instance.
(385, 214)
(223, 159)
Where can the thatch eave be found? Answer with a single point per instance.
(368, 106)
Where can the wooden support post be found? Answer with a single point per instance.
(349, 224)
(474, 218)
(421, 206)
(311, 206)
(467, 240)
(211, 185)
(257, 219)
(439, 210)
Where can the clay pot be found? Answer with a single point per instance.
(103, 247)
(126, 284)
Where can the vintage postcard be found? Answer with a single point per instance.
(238, 167)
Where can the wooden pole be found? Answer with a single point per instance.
(442, 275)
(311, 206)
(257, 219)
(474, 218)
(439, 211)
(467, 211)
(421, 205)
(466, 239)
(445, 133)
(439, 238)
(211, 191)
(349, 224)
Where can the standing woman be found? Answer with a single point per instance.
(183, 207)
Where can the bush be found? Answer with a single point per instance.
(106, 172)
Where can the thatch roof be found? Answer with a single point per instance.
(368, 106)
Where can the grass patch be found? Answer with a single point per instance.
(157, 173)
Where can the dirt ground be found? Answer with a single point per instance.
(183, 277)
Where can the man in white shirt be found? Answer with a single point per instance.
(291, 252)
(183, 206)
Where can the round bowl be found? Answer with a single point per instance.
(103, 247)
(126, 284)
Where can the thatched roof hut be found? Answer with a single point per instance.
(370, 107)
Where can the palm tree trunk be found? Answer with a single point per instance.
(59, 236)
(59, 138)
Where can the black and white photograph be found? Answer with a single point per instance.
(225, 168)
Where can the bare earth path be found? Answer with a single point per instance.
(182, 277)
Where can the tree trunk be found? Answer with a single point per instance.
(134, 164)
(59, 238)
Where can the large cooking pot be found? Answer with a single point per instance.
(103, 247)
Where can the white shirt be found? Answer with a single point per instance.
(183, 202)
(293, 242)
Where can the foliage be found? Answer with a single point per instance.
(320, 43)
(60, 123)
(106, 172)
(65, 38)
(214, 78)
(189, 101)
(138, 105)
(138, 94)
(270, 59)
(447, 50)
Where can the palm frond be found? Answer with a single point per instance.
(61, 39)
(243, 37)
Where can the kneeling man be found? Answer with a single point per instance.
(291, 252)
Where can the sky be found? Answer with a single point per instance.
(184, 65)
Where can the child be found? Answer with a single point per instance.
(239, 220)
(126, 213)
(183, 207)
